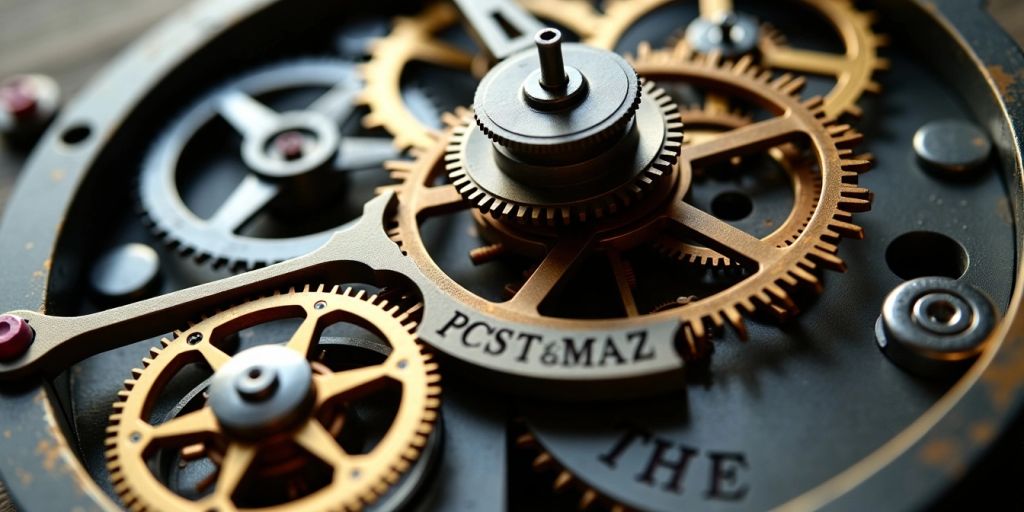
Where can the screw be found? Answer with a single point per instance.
(15, 337)
(291, 145)
(18, 97)
(257, 384)
(952, 148)
(934, 326)
(194, 338)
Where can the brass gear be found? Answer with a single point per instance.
(544, 211)
(706, 124)
(358, 479)
(853, 71)
(565, 482)
(778, 270)
(413, 38)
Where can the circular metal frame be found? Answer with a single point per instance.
(896, 476)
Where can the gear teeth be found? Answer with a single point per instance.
(162, 358)
(461, 125)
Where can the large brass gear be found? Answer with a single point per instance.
(853, 70)
(778, 270)
(704, 124)
(357, 479)
(414, 39)
(542, 209)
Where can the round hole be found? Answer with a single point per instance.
(942, 312)
(548, 35)
(76, 134)
(731, 206)
(926, 253)
(255, 373)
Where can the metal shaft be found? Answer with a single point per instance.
(552, 66)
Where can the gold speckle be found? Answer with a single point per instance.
(943, 454)
(49, 454)
(7, 434)
(24, 476)
(1002, 79)
(58, 175)
(982, 432)
(1003, 211)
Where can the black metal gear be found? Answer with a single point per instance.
(480, 181)
(296, 164)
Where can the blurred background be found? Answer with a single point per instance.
(71, 40)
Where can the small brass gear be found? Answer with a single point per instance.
(414, 38)
(852, 70)
(541, 209)
(423, 193)
(705, 124)
(355, 480)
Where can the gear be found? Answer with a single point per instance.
(565, 482)
(853, 71)
(704, 125)
(503, 197)
(293, 167)
(275, 407)
(778, 269)
(414, 39)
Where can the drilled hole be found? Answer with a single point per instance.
(942, 312)
(926, 253)
(731, 206)
(76, 134)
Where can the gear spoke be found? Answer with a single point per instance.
(807, 61)
(721, 235)
(247, 115)
(624, 282)
(235, 464)
(302, 340)
(360, 153)
(714, 9)
(248, 199)
(186, 428)
(214, 356)
(748, 139)
(319, 442)
(338, 384)
(551, 273)
(441, 200)
(439, 53)
(338, 103)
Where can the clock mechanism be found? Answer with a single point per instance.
(537, 255)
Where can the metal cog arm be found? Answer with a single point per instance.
(502, 26)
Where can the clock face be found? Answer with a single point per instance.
(536, 255)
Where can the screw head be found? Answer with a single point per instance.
(15, 337)
(291, 145)
(934, 326)
(18, 97)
